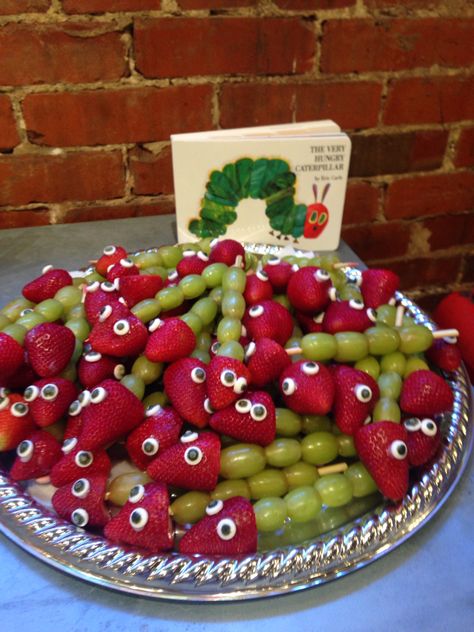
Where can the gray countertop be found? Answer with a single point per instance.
(425, 584)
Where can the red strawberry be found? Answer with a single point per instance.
(46, 285)
(12, 356)
(308, 289)
(192, 263)
(138, 287)
(49, 399)
(356, 395)
(21, 378)
(227, 379)
(36, 455)
(229, 528)
(348, 316)
(50, 348)
(378, 286)
(193, 463)
(170, 340)
(310, 324)
(113, 412)
(250, 419)
(98, 295)
(423, 439)
(227, 251)
(279, 273)
(16, 422)
(308, 388)
(125, 336)
(93, 367)
(74, 421)
(185, 385)
(268, 319)
(382, 448)
(144, 520)
(266, 359)
(82, 502)
(124, 267)
(160, 430)
(257, 288)
(425, 394)
(445, 354)
(111, 255)
(76, 463)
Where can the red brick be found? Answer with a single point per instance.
(304, 5)
(24, 217)
(378, 241)
(14, 7)
(152, 173)
(215, 4)
(426, 271)
(101, 6)
(405, 4)
(50, 54)
(465, 149)
(430, 195)
(430, 100)
(257, 104)
(96, 117)
(93, 213)
(8, 133)
(361, 204)
(468, 273)
(179, 47)
(448, 231)
(78, 176)
(360, 45)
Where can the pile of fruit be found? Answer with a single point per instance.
(243, 394)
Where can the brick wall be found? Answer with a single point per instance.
(91, 89)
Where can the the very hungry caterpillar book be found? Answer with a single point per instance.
(275, 184)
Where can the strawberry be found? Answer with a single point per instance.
(46, 285)
(227, 379)
(185, 385)
(268, 319)
(160, 430)
(50, 348)
(16, 422)
(192, 463)
(310, 324)
(113, 412)
(382, 448)
(279, 273)
(348, 316)
(308, 289)
(227, 251)
(98, 295)
(144, 520)
(257, 288)
(49, 399)
(356, 395)
(74, 421)
(125, 336)
(137, 287)
(124, 267)
(425, 394)
(82, 502)
(76, 463)
(308, 388)
(170, 340)
(93, 367)
(423, 440)
(265, 359)
(445, 354)
(192, 263)
(36, 455)
(12, 356)
(378, 286)
(229, 529)
(21, 378)
(250, 419)
(110, 256)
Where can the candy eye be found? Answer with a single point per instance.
(198, 375)
(451, 340)
(94, 356)
(258, 412)
(109, 250)
(98, 395)
(80, 517)
(193, 455)
(108, 286)
(228, 377)
(226, 529)
(49, 392)
(84, 398)
(372, 314)
(26, 311)
(356, 304)
(47, 268)
(428, 427)
(126, 263)
(150, 446)
(332, 293)
(136, 493)
(310, 368)
(214, 507)
(4, 402)
(138, 519)
(243, 405)
(262, 275)
(19, 409)
(215, 347)
(121, 327)
(188, 253)
(240, 385)
(83, 458)
(288, 386)
(104, 313)
(151, 411)
(255, 311)
(363, 393)
(250, 350)
(25, 450)
(119, 371)
(81, 488)
(173, 275)
(398, 449)
(273, 261)
(155, 324)
(207, 406)
(189, 436)
(413, 424)
(321, 275)
(93, 287)
(69, 445)
(202, 255)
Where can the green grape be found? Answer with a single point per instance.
(78, 348)
(50, 309)
(268, 482)
(192, 286)
(230, 489)
(170, 297)
(359, 506)
(335, 489)
(203, 340)
(362, 482)
(190, 507)
(68, 296)
(390, 385)
(283, 452)
(303, 503)
(217, 295)
(15, 331)
(315, 423)
(242, 460)
(232, 349)
(205, 245)
(351, 346)
(206, 309)
(77, 311)
(148, 259)
(119, 487)
(213, 275)
(170, 256)
(147, 310)
(386, 409)
(202, 355)
(300, 474)
(331, 518)
(288, 423)
(382, 340)
(345, 445)
(251, 261)
(14, 308)
(156, 398)
(147, 370)
(319, 448)
(350, 292)
(338, 278)
(190, 246)
(4, 321)
(92, 277)
(283, 300)
(79, 282)
(233, 304)
(229, 329)
(415, 339)
(270, 514)
(156, 271)
(79, 327)
(386, 314)
(294, 343)
(414, 363)
(135, 384)
(369, 365)
(69, 373)
(297, 332)
(234, 279)
(193, 321)
(30, 320)
(319, 346)
(395, 361)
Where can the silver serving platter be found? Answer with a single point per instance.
(324, 558)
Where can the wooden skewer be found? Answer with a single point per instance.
(294, 351)
(445, 333)
(336, 468)
(345, 264)
(399, 316)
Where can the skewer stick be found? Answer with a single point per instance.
(345, 264)
(336, 468)
(399, 316)
(294, 351)
(445, 333)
